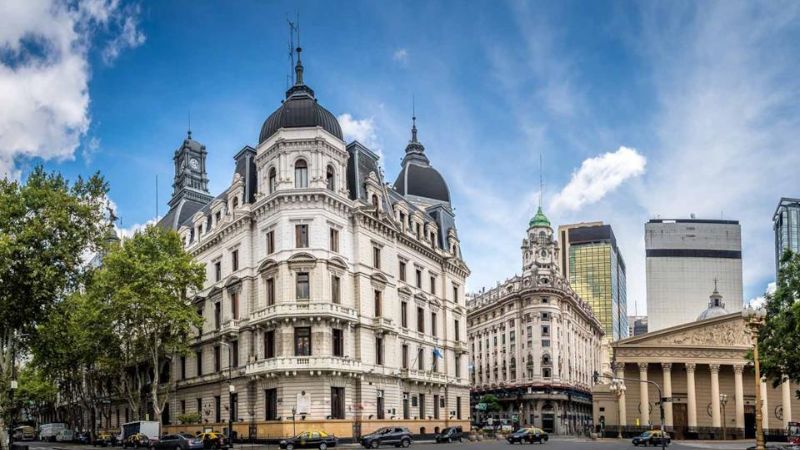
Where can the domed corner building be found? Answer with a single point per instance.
(703, 368)
(338, 299)
(534, 343)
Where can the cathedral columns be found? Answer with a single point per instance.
(739, 394)
(644, 398)
(623, 415)
(786, 394)
(691, 398)
(716, 415)
(667, 367)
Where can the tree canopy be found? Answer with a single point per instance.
(779, 338)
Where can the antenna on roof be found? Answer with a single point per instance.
(292, 29)
(189, 131)
(156, 196)
(541, 180)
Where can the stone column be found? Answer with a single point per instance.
(786, 391)
(644, 398)
(715, 406)
(764, 405)
(691, 398)
(739, 395)
(667, 367)
(623, 415)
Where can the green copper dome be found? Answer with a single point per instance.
(539, 220)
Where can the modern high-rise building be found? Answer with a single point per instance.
(637, 325)
(786, 223)
(685, 258)
(593, 264)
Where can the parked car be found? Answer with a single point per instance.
(82, 438)
(24, 433)
(528, 435)
(65, 436)
(105, 439)
(651, 437)
(137, 440)
(397, 436)
(179, 441)
(213, 439)
(310, 439)
(450, 434)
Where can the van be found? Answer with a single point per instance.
(48, 431)
(24, 433)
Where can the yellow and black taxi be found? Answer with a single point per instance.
(105, 439)
(310, 439)
(528, 435)
(213, 440)
(137, 440)
(651, 437)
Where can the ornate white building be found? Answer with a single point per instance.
(534, 343)
(337, 298)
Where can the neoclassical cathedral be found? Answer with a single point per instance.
(333, 300)
(534, 343)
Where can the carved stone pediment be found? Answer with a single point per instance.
(727, 331)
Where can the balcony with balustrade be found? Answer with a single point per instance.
(312, 365)
(285, 312)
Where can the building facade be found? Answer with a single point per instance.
(534, 343)
(332, 300)
(703, 368)
(637, 325)
(786, 224)
(684, 257)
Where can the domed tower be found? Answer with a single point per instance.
(539, 249)
(301, 144)
(418, 180)
(716, 306)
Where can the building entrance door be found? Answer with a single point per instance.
(548, 418)
(749, 422)
(680, 420)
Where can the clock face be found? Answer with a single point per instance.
(542, 256)
(194, 164)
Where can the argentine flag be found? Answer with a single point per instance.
(437, 353)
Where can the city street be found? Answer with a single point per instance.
(558, 443)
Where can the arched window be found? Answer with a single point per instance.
(330, 179)
(300, 174)
(374, 200)
(273, 180)
(545, 359)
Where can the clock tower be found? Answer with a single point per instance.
(191, 178)
(539, 249)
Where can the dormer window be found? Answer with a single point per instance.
(235, 202)
(375, 201)
(330, 179)
(301, 174)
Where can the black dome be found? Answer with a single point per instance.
(422, 181)
(300, 110)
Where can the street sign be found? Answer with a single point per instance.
(481, 407)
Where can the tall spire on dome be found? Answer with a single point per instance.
(298, 69)
(415, 151)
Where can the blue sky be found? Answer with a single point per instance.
(638, 109)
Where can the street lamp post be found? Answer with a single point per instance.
(618, 388)
(723, 400)
(660, 398)
(755, 319)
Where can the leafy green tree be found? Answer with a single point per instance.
(141, 291)
(36, 393)
(47, 226)
(492, 403)
(779, 338)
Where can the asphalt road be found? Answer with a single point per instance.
(555, 443)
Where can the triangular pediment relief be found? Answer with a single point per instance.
(728, 331)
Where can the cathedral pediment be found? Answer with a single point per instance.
(729, 331)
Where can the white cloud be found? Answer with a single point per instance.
(44, 75)
(761, 300)
(400, 56)
(128, 232)
(599, 176)
(361, 130)
(129, 36)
